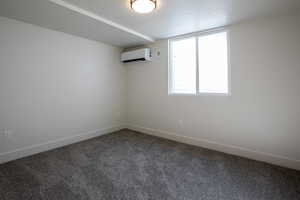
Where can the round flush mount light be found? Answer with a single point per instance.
(143, 6)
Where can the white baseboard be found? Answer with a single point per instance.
(28, 151)
(230, 149)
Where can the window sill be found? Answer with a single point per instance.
(201, 94)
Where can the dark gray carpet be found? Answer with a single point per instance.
(128, 165)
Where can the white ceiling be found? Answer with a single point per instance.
(50, 15)
(113, 22)
(176, 17)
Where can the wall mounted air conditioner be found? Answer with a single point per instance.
(136, 55)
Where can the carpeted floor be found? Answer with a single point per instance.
(127, 165)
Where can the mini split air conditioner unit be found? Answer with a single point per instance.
(136, 55)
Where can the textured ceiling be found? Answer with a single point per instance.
(113, 22)
(176, 17)
(50, 15)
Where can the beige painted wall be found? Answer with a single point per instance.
(55, 86)
(263, 113)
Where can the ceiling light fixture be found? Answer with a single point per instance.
(143, 6)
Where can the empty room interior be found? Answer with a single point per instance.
(149, 100)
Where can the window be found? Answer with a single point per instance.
(199, 65)
(184, 66)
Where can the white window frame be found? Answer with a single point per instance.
(170, 67)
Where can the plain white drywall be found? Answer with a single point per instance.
(56, 89)
(55, 86)
(263, 113)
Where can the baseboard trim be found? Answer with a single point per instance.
(230, 149)
(35, 149)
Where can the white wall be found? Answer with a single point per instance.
(260, 120)
(55, 86)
